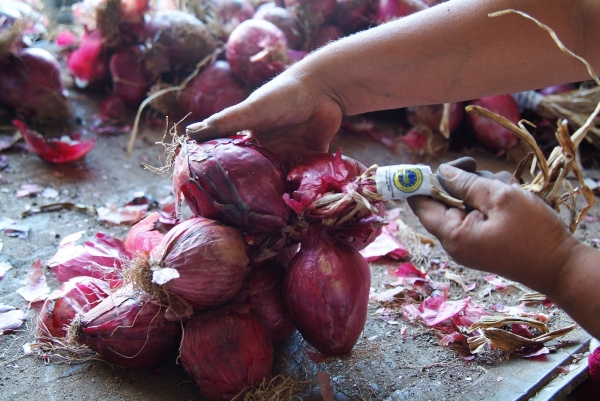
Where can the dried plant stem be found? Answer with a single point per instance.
(445, 121)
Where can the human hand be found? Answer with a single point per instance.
(508, 231)
(292, 114)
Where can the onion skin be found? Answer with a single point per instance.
(231, 13)
(431, 116)
(210, 258)
(256, 51)
(30, 84)
(286, 21)
(100, 258)
(130, 330)
(263, 291)
(88, 63)
(211, 91)
(326, 290)
(226, 353)
(235, 181)
(490, 134)
(76, 296)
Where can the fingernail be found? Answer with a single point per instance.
(448, 171)
(194, 127)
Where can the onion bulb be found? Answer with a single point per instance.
(326, 290)
(490, 134)
(235, 181)
(285, 20)
(225, 353)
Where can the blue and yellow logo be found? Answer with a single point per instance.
(408, 179)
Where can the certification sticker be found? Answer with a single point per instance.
(402, 181)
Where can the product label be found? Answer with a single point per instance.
(402, 181)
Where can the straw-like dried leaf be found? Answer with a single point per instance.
(486, 322)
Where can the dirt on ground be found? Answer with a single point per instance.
(392, 361)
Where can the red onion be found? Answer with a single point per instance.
(178, 42)
(490, 134)
(263, 291)
(316, 12)
(76, 296)
(30, 84)
(201, 261)
(327, 290)
(114, 108)
(256, 51)
(131, 78)
(326, 34)
(211, 91)
(130, 330)
(356, 15)
(100, 258)
(286, 21)
(235, 181)
(415, 140)
(65, 149)
(225, 353)
(89, 64)
(391, 9)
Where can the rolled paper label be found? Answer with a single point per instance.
(403, 181)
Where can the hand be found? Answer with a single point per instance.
(289, 115)
(509, 231)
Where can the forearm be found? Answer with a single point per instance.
(576, 288)
(455, 52)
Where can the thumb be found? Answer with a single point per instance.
(225, 123)
(474, 190)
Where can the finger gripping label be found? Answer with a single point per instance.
(402, 181)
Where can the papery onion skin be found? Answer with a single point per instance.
(234, 181)
(326, 290)
(256, 51)
(490, 134)
(133, 331)
(225, 354)
(77, 296)
(30, 84)
(88, 63)
(263, 291)
(213, 90)
(431, 116)
(211, 261)
(100, 258)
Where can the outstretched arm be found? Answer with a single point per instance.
(447, 53)
(513, 233)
